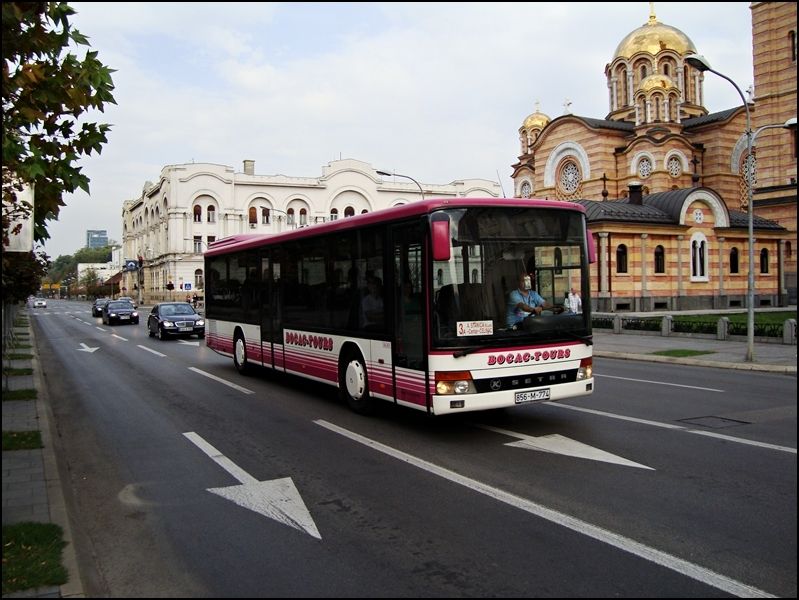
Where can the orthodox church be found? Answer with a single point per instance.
(664, 183)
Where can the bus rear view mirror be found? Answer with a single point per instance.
(440, 233)
(589, 237)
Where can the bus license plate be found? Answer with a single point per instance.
(534, 396)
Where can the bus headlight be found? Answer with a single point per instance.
(586, 370)
(454, 382)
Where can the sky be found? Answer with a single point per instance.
(436, 91)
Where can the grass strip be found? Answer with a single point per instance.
(32, 556)
(11, 371)
(682, 353)
(22, 440)
(27, 394)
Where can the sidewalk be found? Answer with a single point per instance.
(32, 488)
(726, 354)
(31, 482)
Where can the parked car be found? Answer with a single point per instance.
(40, 303)
(97, 307)
(175, 318)
(120, 311)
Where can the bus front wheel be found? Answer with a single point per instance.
(240, 355)
(354, 383)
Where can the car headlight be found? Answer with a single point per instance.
(168, 324)
(134, 314)
(200, 322)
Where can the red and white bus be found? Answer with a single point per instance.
(410, 304)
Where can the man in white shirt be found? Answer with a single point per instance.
(574, 302)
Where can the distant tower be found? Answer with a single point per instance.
(96, 238)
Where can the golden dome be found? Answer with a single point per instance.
(537, 120)
(656, 81)
(652, 37)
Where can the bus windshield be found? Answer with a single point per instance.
(497, 256)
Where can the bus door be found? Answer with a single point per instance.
(275, 315)
(410, 366)
(270, 322)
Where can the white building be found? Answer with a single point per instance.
(171, 224)
(102, 271)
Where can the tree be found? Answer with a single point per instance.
(46, 89)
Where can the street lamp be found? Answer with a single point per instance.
(700, 63)
(384, 174)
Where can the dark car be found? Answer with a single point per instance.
(119, 311)
(97, 307)
(175, 318)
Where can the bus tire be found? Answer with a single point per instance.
(354, 383)
(240, 355)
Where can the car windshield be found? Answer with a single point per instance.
(176, 309)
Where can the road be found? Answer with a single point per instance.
(187, 479)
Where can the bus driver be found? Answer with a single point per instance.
(524, 301)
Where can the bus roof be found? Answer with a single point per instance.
(245, 241)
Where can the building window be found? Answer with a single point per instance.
(674, 166)
(364, 211)
(764, 261)
(198, 244)
(198, 279)
(265, 216)
(303, 217)
(252, 216)
(660, 260)
(526, 190)
(211, 214)
(349, 212)
(621, 259)
(698, 257)
(198, 213)
(333, 214)
(644, 167)
(290, 216)
(734, 261)
(570, 177)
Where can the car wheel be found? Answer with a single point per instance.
(240, 355)
(354, 383)
(161, 334)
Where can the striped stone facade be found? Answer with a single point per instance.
(661, 179)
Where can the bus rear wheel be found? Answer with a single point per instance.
(354, 383)
(240, 355)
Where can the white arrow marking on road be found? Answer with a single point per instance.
(277, 499)
(189, 343)
(86, 348)
(558, 444)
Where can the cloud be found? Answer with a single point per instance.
(437, 90)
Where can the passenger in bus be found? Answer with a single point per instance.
(573, 301)
(372, 304)
(524, 301)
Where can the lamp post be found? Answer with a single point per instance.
(701, 64)
(385, 174)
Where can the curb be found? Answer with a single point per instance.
(73, 588)
(696, 363)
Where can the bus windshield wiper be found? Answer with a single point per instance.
(465, 351)
(586, 340)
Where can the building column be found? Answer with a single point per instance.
(721, 268)
(680, 290)
(603, 265)
(644, 288)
